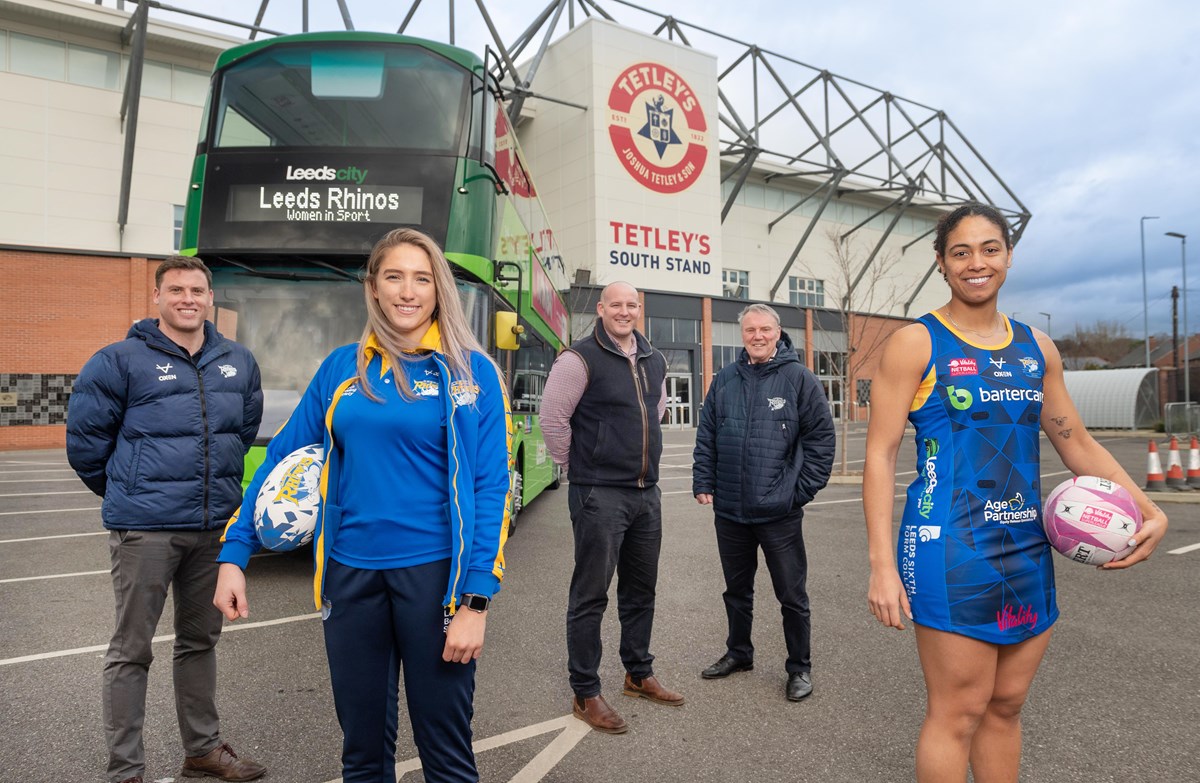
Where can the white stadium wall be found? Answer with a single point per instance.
(667, 235)
(62, 73)
(623, 207)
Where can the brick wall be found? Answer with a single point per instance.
(56, 310)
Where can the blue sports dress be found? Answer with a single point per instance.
(972, 553)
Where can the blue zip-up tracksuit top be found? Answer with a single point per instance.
(478, 435)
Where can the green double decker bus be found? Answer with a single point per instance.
(312, 147)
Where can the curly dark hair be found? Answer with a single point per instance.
(950, 221)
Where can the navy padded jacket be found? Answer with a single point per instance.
(765, 443)
(162, 438)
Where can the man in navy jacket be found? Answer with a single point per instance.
(764, 448)
(158, 425)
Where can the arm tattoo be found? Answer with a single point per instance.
(1065, 434)
(1059, 420)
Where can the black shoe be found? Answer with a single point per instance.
(799, 685)
(725, 667)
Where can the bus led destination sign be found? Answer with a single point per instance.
(324, 203)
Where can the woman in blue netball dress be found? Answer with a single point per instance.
(972, 568)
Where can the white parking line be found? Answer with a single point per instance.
(47, 538)
(570, 731)
(36, 470)
(46, 511)
(53, 576)
(34, 481)
(164, 638)
(16, 462)
(43, 494)
(1184, 549)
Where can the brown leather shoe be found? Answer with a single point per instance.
(221, 762)
(134, 779)
(595, 712)
(650, 688)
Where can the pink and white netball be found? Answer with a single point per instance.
(1091, 520)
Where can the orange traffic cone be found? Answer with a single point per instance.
(1193, 471)
(1154, 472)
(1175, 479)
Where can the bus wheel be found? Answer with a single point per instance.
(518, 487)
(556, 482)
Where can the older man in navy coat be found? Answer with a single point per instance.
(764, 448)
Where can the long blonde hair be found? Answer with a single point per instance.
(457, 340)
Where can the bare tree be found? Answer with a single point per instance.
(1107, 340)
(854, 292)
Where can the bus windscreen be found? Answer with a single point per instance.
(398, 98)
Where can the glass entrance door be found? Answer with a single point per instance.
(679, 400)
(833, 390)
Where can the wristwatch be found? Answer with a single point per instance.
(476, 602)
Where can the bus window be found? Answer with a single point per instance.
(396, 97)
(290, 327)
(532, 367)
(476, 302)
(345, 74)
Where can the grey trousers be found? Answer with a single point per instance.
(144, 564)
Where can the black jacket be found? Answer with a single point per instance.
(765, 442)
(162, 437)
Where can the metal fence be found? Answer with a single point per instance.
(1181, 418)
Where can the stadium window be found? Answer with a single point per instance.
(806, 292)
(756, 195)
(156, 80)
(727, 343)
(830, 363)
(177, 226)
(190, 85)
(672, 330)
(774, 200)
(3, 50)
(687, 330)
(93, 67)
(582, 324)
(660, 330)
(34, 56)
(735, 284)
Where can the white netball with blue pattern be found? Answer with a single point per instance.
(285, 512)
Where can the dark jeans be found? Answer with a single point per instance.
(381, 624)
(616, 529)
(783, 548)
(144, 564)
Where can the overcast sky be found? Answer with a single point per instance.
(1088, 110)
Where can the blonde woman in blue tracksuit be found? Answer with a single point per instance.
(416, 428)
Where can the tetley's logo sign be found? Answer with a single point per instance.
(657, 127)
(328, 174)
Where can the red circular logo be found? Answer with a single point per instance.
(657, 127)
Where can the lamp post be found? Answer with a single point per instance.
(1047, 325)
(1145, 301)
(1187, 390)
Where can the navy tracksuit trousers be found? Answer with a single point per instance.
(382, 624)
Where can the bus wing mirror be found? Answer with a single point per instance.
(508, 331)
